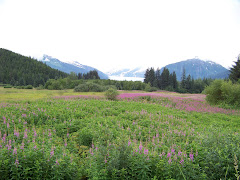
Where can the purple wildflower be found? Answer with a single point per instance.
(140, 146)
(191, 156)
(129, 142)
(169, 155)
(17, 162)
(146, 151)
(15, 151)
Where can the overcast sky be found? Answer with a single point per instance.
(122, 33)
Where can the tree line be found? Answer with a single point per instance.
(168, 81)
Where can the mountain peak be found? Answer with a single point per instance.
(68, 67)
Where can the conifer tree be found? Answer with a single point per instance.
(183, 79)
(235, 71)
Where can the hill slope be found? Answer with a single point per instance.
(16, 69)
(70, 67)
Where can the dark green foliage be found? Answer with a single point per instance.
(68, 83)
(89, 87)
(90, 75)
(28, 87)
(235, 71)
(20, 70)
(223, 92)
(150, 76)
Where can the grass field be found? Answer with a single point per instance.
(66, 135)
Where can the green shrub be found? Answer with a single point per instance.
(40, 87)
(28, 87)
(148, 88)
(111, 94)
(81, 88)
(89, 87)
(223, 92)
(8, 86)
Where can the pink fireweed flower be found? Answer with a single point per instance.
(179, 153)
(191, 156)
(35, 133)
(105, 160)
(140, 146)
(57, 163)
(25, 135)
(16, 162)
(65, 144)
(169, 155)
(52, 152)
(181, 161)
(8, 125)
(22, 146)
(16, 133)
(145, 151)
(169, 161)
(24, 115)
(129, 142)
(91, 151)
(15, 151)
(173, 151)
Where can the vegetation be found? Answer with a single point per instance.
(224, 93)
(168, 81)
(111, 94)
(235, 71)
(83, 85)
(142, 138)
(19, 70)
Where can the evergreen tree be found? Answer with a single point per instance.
(146, 76)
(165, 78)
(189, 83)
(183, 79)
(174, 81)
(149, 76)
(158, 78)
(152, 76)
(235, 71)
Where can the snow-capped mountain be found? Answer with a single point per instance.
(195, 67)
(70, 66)
(198, 69)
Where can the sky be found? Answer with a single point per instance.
(107, 34)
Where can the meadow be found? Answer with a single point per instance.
(67, 135)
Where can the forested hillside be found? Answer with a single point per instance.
(16, 69)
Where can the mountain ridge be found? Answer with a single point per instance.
(69, 67)
(197, 68)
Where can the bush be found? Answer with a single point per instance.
(223, 92)
(40, 87)
(28, 87)
(148, 88)
(8, 86)
(89, 87)
(111, 94)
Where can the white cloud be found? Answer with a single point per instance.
(125, 33)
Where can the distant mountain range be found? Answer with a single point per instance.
(70, 66)
(198, 69)
(195, 67)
